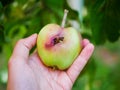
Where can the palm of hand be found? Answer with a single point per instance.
(44, 76)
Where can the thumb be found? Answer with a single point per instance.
(23, 47)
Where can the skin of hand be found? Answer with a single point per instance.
(27, 72)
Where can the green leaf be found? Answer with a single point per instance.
(2, 37)
(6, 2)
(1, 5)
(22, 1)
(104, 19)
(112, 20)
(1, 34)
(54, 6)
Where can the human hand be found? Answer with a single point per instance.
(27, 72)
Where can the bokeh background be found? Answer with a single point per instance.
(97, 20)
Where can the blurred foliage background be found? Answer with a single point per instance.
(97, 20)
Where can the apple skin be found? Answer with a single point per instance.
(63, 53)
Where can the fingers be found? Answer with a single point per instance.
(85, 42)
(81, 60)
(23, 46)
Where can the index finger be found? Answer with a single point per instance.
(80, 62)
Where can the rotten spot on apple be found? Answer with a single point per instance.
(58, 40)
(54, 45)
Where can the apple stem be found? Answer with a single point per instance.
(64, 18)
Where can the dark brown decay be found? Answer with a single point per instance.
(58, 40)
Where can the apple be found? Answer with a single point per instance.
(57, 46)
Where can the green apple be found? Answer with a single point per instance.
(57, 46)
